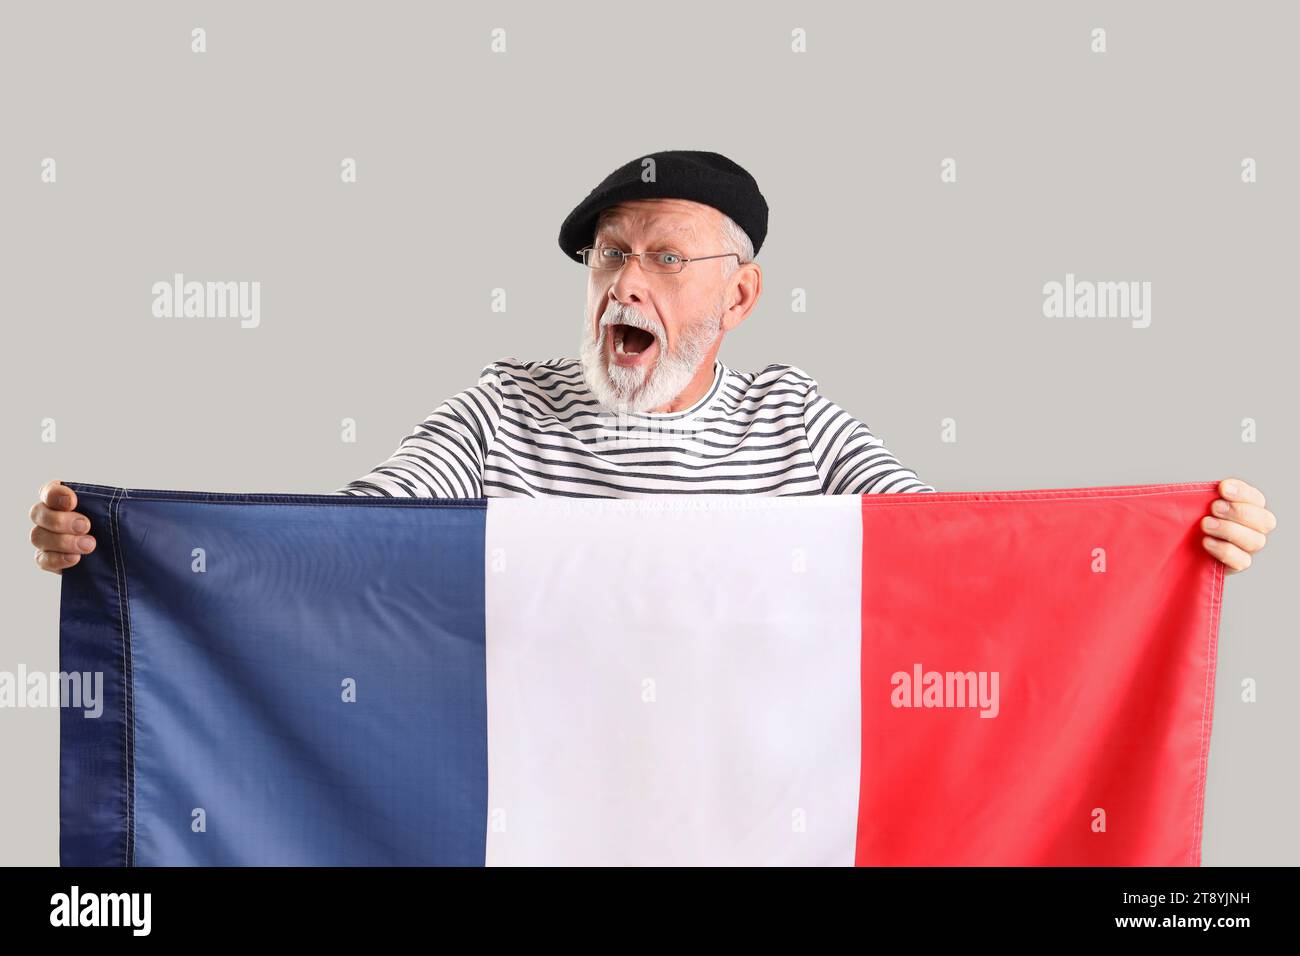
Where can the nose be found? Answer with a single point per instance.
(629, 281)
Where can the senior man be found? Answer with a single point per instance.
(647, 408)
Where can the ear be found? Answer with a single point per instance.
(744, 286)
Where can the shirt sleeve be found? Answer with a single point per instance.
(443, 456)
(849, 458)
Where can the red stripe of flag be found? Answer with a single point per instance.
(1083, 623)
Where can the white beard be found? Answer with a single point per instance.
(619, 388)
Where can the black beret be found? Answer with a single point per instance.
(703, 177)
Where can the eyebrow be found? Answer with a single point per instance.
(610, 228)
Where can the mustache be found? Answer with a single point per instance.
(624, 315)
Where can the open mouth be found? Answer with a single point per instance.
(630, 344)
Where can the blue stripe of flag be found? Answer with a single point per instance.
(230, 736)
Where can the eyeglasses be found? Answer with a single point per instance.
(607, 258)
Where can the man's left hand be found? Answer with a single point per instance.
(1238, 524)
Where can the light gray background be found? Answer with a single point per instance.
(925, 299)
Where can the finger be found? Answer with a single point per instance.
(1248, 539)
(64, 543)
(67, 522)
(59, 496)
(1252, 516)
(55, 561)
(1229, 554)
(1234, 489)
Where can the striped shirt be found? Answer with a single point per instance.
(531, 429)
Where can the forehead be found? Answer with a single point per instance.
(657, 217)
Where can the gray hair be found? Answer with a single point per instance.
(734, 240)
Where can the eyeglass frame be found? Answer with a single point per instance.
(628, 255)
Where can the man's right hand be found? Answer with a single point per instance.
(58, 532)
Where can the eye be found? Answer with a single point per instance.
(668, 258)
(609, 252)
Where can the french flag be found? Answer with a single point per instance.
(975, 678)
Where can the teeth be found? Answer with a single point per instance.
(620, 331)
